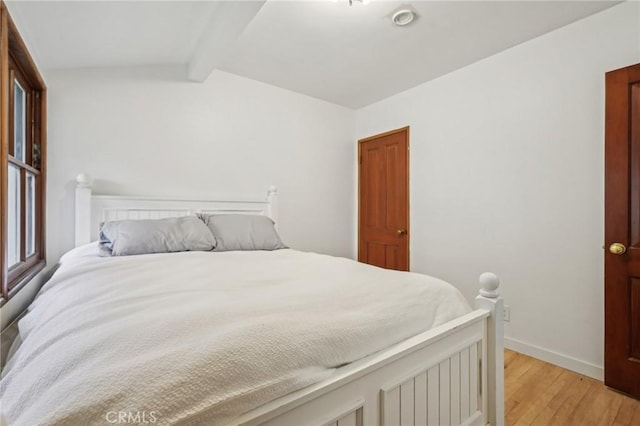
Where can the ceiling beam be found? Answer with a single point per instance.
(228, 20)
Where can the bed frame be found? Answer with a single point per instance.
(449, 375)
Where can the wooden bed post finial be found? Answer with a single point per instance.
(83, 180)
(489, 283)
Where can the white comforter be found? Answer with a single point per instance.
(200, 338)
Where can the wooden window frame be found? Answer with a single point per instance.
(16, 64)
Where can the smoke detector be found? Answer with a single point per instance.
(403, 17)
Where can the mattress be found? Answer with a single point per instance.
(200, 338)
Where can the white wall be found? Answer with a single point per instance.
(147, 131)
(507, 176)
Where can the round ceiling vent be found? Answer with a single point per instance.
(403, 17)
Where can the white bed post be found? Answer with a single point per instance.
(83, 209)
(489, 299)
(272, 199)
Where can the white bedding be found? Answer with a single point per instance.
(200, 338)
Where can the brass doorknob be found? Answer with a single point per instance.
(617, 248)
(401, 231)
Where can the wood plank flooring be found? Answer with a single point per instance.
(538, 393)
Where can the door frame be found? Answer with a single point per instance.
(404, 130)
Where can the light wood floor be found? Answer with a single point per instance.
(538, 393)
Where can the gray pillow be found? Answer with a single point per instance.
(127, 237)
(243, 232)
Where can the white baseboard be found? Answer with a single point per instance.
(564, 361)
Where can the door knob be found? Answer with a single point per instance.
(401, 231)
(617, 248)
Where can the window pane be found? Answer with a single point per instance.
(31, 214)
(13, 219)
(19, 130)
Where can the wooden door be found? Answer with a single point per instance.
(622, 230)
(383, 213)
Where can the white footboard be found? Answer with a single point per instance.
(450, 375)
(447, 393)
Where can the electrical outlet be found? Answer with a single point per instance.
(507, 313)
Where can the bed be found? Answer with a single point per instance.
(274, 338)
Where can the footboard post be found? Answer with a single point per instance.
(83, 209)
(489, 299)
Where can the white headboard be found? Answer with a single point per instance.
(91, 209)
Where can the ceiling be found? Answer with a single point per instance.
(351, 56)
(71, 34)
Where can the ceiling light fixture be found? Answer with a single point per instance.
(403, 17)
(360, 1)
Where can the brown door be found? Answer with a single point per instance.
(383, 214)
(622, 230)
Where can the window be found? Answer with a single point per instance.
(22, 158)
